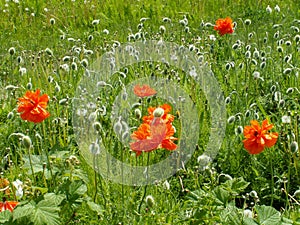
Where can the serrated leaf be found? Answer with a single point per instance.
(238, 184)
(5, 216)
(249, 221)
(77, 187)
(45, 213)
(230, 216)
(56, 199)
(95, 207)
(221, 196)
(267, 215)
(23, 211)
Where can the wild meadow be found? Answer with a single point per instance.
(150, 112)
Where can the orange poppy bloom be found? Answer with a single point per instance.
(224, 26)
(143, 91)
(32, 106)
(153, 136)
(166, 117)
(8, 205)
(258, 137)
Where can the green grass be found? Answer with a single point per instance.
(59, 185)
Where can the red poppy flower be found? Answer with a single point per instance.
(258, 137)
(166, 117)
(143, 91)
(8, 205)
(32, 106)
(224, 26)
(153, 136)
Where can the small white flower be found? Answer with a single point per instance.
(212, 37)
(277, 8)
(269, 9)
(22, 71)
(19, 189)
(286, 119)
(248, 213)
(166, 185)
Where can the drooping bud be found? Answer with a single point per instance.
(26, 141)
(150, 201)
(158, 112)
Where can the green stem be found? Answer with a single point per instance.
(145, 188)
(272, 183)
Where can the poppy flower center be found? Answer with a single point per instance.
(255, 133)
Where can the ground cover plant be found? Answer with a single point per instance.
(49, 48)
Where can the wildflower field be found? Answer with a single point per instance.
(150, 112)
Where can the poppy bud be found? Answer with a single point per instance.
(279, 49)
(158, 112)
(48, 51)
(290, 90)
(253, 194)
(287, 71)
(239, 130)
(247, 22)
(247, 113)
(150, 201)
(63, 101)
(294, 146)
(297, 194)
(97, 126)
(10, 115)
(12, 51)
(235, 46)
(138, 113)
(231, 119)
(227, 100)
(26, 141)
(84, 63)
(94, 148)
(52, 21)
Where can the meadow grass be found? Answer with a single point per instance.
(50, 45)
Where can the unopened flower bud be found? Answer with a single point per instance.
(247, 22)
(97, 126)
(10, 115)
(138, 113)
(12, 51)
(294, 146)
(94, 148)
(253, 194)
(231, 119)
(49, 51)
(52, 21)
(290, 90)
(239, 130)
(150, 201)
(63, 101)
(158, 112)
(26, 141)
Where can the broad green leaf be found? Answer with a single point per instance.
(5, 216)
(249, 221)
(237, 184)
(231, 216)
(77, 187)
(56, 199)
(45, 213)
(95, 207)
(221, 196)
(23, 211)
(267, 215)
